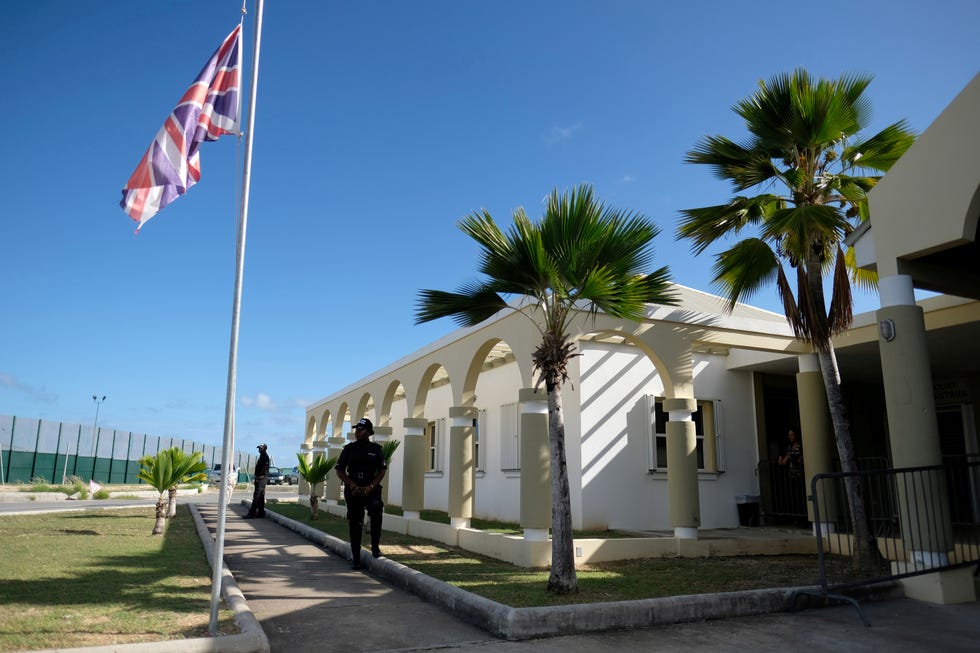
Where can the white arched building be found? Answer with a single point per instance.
(670, 419)
(479, 380)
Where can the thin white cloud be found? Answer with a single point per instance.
(262, 401)
(628, 179)
(561, 134)
(288, 420)
(39, 395)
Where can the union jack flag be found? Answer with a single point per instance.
(208, 109)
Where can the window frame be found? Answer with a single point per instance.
(479, 426)
(657, 436)
(510, 437)
(434, 436)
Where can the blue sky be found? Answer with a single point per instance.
(378, 126)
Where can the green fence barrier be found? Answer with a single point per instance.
(34, 449)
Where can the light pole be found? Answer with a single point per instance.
(95, 424)
(64, 472)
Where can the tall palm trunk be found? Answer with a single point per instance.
(866, 550)
(562, 579)
(161, 515)
(864, 538)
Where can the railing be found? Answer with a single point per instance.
(919, 520)
(783, 493)
(783, 490)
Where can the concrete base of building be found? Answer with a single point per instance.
(942, 587)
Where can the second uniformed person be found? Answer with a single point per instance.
(361, 467)
(257, 508)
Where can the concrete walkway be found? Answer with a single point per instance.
(308, 598)
(300, 587)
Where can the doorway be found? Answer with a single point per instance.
(957, 444)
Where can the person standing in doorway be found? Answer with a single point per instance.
(792, 462)
(361, 467)
(261, 479)
(793, 458)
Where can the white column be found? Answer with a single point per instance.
(912, 425)
(413, 471)
(462, 466)
(535, 465)
(682, 468)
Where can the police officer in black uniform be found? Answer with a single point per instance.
(361, 467)
(261, 480)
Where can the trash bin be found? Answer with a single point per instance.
(748, 509)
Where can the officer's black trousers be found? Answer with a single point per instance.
(258, 498)
(356, 505)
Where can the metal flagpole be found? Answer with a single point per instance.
(228, 444)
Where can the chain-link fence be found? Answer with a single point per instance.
(42, 449)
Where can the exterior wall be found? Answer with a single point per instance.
(497, 491)
(607, 453)
(619, 491)
(572, 399)
(608, 466)
(485, 382)
(396, 473)
(437, 407)
(928, 200)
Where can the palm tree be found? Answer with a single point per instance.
(388, 449)
(581, 255)
(803, 140)
(164, 472)
(314, 474)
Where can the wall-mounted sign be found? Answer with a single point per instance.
(951, 392)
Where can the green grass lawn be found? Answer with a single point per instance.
(623, 580)
(97, 578)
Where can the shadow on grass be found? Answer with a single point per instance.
(621, 580)
(107, 570)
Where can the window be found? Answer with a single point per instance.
(430, 444)
(479, 426)
(510, 438)
(434, 436)
(704, 419)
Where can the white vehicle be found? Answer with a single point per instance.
(214, 474)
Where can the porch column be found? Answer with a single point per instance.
(333, 490)
(682, 468)
(462, 465)
(381, 435)
(817, 436)
(413, 467)
(535, 465)
(912, 426)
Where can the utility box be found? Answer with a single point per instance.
(748, 509)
